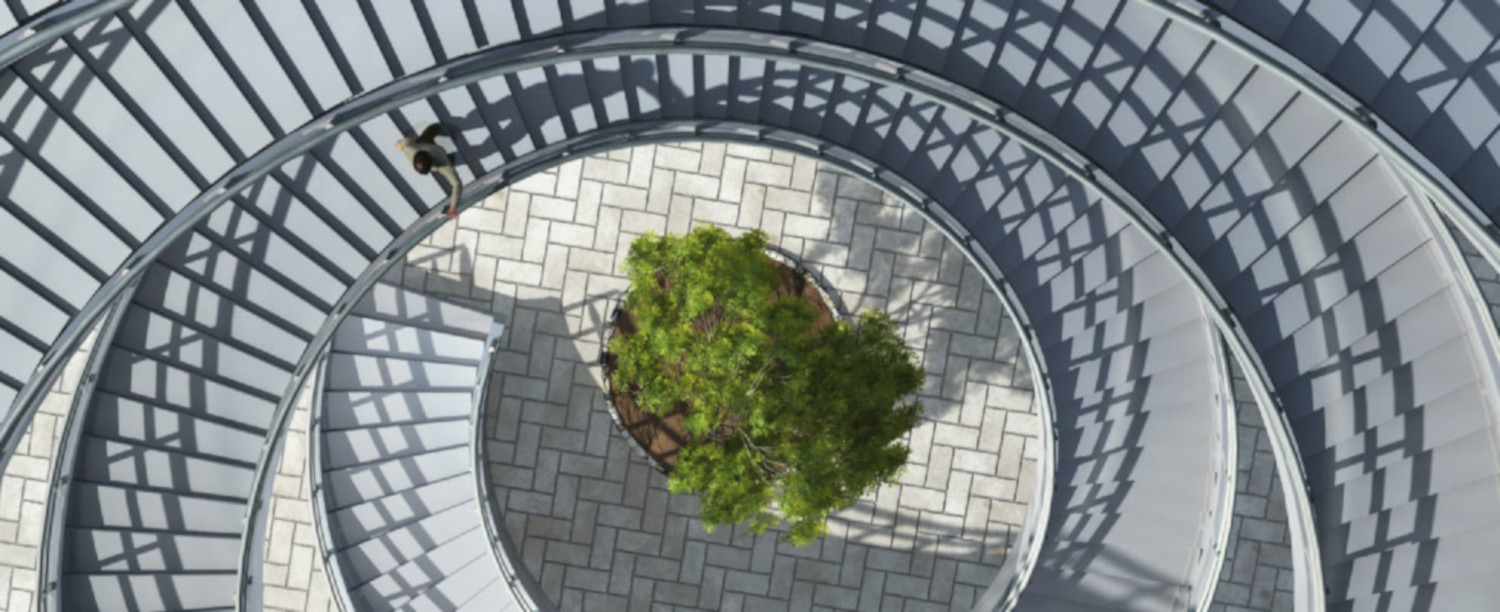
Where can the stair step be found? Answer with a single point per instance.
(359, 522)
(1453, 511)
(353, 409)
(190, 590)
(350, 486)
(495, 597)
(108, 506)
(368, 336)
(121, 418)
(387, 301)
(1427, 329)
(1106, 323)
(1477, 592)
(1414, 562)
(1116, 365)
(1373, 401)
(388, 551)
(1445, 467)
(1108, 399)
(399, 586)
(113, 462)
(1061, 590)
(349, 447)
(1416, 431)
(129, 550)
(462, 590)
(366, 372)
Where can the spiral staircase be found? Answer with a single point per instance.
(1162, 193)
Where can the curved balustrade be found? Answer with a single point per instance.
(1218, 525)
(58, 502)
(1277, 211)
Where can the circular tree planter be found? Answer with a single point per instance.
(658, 439)
(730, 370)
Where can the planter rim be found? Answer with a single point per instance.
(819, 283)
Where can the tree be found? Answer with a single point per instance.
(778, 412)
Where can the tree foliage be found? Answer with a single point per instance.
(778, 413)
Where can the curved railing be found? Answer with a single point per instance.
(1224, 474)
(56, 21)
(318, 495)
(59, 503)
(520, 583)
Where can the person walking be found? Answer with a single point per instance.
(427, 157)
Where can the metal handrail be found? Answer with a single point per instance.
(51, 24)
(521, 584)
(332, 569)
(59, 498)
(1225, 474)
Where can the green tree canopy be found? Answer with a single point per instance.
(778, 412)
